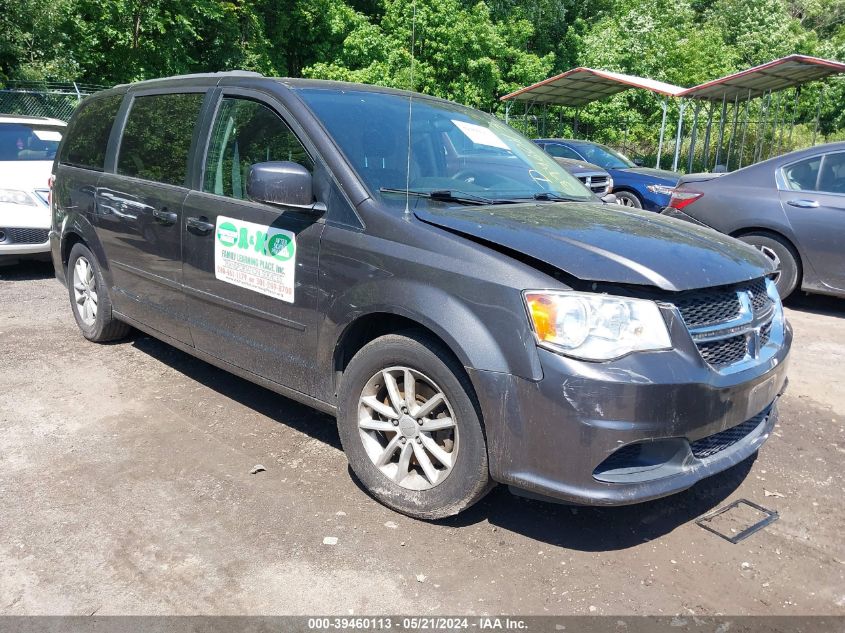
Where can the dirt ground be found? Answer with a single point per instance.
(125, 488)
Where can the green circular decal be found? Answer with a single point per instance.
(227, 234)
(280, 247)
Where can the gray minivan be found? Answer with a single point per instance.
(466, 309)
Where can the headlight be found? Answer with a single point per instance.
(609, 187)
(14, 196)
(594, 326)
(661, 189)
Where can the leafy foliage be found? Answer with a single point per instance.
(471, 51)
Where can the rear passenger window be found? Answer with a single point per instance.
(157, 137)
(803, 175)
(832, 177)
(87, 135)
(245, 133)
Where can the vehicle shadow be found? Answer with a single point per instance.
(816, 304)
(278, 408)
(601, 529)
(581, 528)
(27, 271)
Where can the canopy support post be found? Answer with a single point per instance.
(575, 123)
(681, 107)
(761, 133)
(665, 106)
(692, 136)
(794, 113)
(775, 121)
(744, 130)
(706, 157)
(508, 105)
(733, 134)
(721, 129)
(818, 114)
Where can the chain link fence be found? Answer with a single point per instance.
(48, 99)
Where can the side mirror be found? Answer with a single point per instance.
(638, 162)
(282, 183)
(609, 198)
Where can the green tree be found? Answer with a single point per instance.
(460, 53)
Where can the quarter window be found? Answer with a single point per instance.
(245, 133)
(87, 135)
(157, 137)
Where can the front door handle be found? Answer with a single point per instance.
(164, 216)
(200, 225)
(804, 204)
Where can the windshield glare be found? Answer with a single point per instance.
(19, 141)
(604, 157)
(453, 148)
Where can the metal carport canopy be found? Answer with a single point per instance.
(580, 86)
(773, 76)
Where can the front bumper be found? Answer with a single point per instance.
(23, 230)
(553, 437)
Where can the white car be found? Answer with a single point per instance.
(27, 148)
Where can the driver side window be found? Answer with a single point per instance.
(561, 151)
(245, 133)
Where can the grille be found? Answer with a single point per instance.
(704, 310)
(726, 351)
(709, 307)
(596, 184)
(765, 333)
(760, 300)
(23, 236)
(709, 446)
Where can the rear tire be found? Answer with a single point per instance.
(629, 199)
(427, 461)
(89, 298)
(782, 255)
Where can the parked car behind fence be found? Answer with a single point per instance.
(791, 208)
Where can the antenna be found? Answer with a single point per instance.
(410, 105)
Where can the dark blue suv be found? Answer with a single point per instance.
(638, 187)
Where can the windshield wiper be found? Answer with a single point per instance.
(545, 195)
(447, 195)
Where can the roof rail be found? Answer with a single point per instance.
(222, 73)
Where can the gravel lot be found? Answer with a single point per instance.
(125, 487)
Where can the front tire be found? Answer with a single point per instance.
(410, 427)
(784, 258)
(89, 298)
(629, 199)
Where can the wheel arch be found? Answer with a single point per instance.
(370, 326)
(77, 229)
(778, 235)
(390, 306)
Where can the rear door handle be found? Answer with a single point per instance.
(804, 204)
(200, 224)
(164, 216)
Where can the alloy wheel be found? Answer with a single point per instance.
(85, 290)
(408, 428)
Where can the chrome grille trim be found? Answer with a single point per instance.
(731, 326)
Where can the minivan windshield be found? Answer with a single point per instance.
(458, 155)
(603, 156)
(28, 141)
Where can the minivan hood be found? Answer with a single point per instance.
(606, 243)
